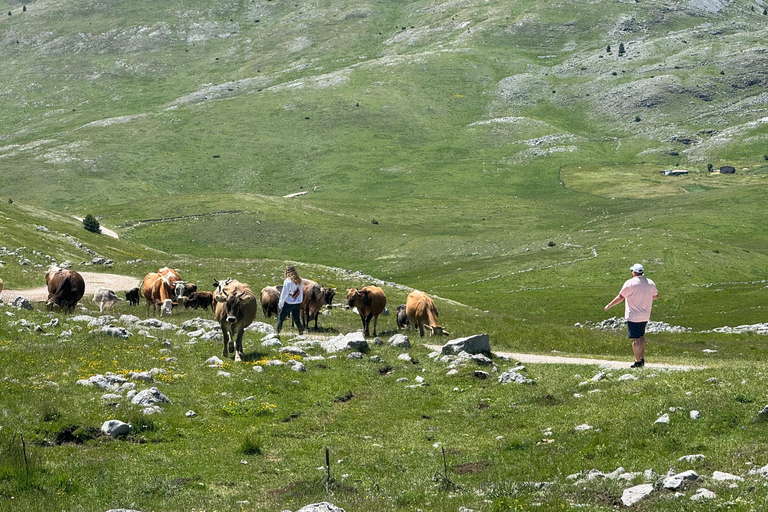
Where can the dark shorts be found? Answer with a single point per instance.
(636, 329)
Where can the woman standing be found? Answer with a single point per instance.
(290, 299)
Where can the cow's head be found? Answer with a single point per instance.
(353, 294)
(436, 330)
(328, 295)
(232, 303)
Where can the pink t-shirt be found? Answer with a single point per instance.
(638, 295)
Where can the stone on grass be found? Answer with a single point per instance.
(510, 376)
(190, 414)
(21, 303)
(271, 342)
(692, 458)
(114, 428)
(142, 376)
(582, 428)
(222, 373)
(405, 357)
(627, 376)
(215, 361)
(400, 340)
(260, 327)
(675, 482)
(479, 374)
(352, 341)
(482, 360)
(703, 494)
(298, 366)
(294, 351)
(258, 369)
(355, 355)
(634, 494)
(111, 397)
(477, 344)
(323, 506)
(763, 471)
(694, 415)
(152, 409)
(725, 477)
(150, 396)
(663, 419)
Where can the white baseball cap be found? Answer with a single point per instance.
(636, 268)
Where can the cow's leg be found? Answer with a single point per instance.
(375, 321)
(226, 337)
(239, 344)
(421, 329)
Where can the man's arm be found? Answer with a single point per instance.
(615, 301)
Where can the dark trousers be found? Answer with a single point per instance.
(295, 311)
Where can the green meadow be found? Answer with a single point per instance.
(503, 157)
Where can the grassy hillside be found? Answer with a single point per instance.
(503, 157)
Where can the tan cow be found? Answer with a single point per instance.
(370, 301)
(270, 298)
(312, 302)
(156, 290)
(421, 311)
(235, 308)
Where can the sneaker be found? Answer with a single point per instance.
(638, 364)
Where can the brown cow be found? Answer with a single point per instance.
(235, 308)
(421, 311)
(270, 298)
(170, 274)
(65, 288)
(312, 302)
(156, 289)
(198, 300)
(370, 301)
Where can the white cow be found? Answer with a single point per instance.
(167, 307)
(105, 298)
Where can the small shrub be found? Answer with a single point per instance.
(637, 119)
(550, 244)
(608, 49)
(251, 445)
(91, 224)
(621, 49)
(765, 157)
(709, 167)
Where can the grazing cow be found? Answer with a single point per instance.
(105, 298)
(183, 288)
(421, 311)
(370, 301)
(65, 288)
(156, 289)
(235, 308)
(132, 296)
(198, 300)
(328, 295)
(312, 302)
(170, 274)
(270, 298)
(402, 317)
(166, 307)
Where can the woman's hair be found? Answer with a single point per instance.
(292, 274)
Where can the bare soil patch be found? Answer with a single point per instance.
(93, 280)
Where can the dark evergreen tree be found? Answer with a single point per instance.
(91, 224)
(621, 48)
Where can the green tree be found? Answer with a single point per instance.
(91, 224)
(621, 49)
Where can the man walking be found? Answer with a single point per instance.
(639, 293)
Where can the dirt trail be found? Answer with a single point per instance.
(604, 363)
(92, 280)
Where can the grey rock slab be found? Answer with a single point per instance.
(400, 340)
(352, 341)
(703, 494)
(634, 494)
(477, 344)
(508, 377)
(150, 396)
(725, 477)
(323, 506)
(115, 428)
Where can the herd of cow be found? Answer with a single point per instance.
(234, 303)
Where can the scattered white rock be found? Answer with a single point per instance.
(691, 458)
(190, 414)
(114, 428)
(725, 477)
(582, 428)
(510, 376)
(214, 361)
(634, 494)
(703, 494)
(405, 357)
(664, 418)
(150, 396)
(675, 482)
(694, 415)
(400, 340)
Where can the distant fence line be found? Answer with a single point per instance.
(181, 217)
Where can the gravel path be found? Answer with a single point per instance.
(604, 363)
(92, 280)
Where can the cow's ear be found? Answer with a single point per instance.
(215, 283)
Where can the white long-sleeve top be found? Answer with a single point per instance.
(292, 293)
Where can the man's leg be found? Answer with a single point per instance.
(638, 347)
